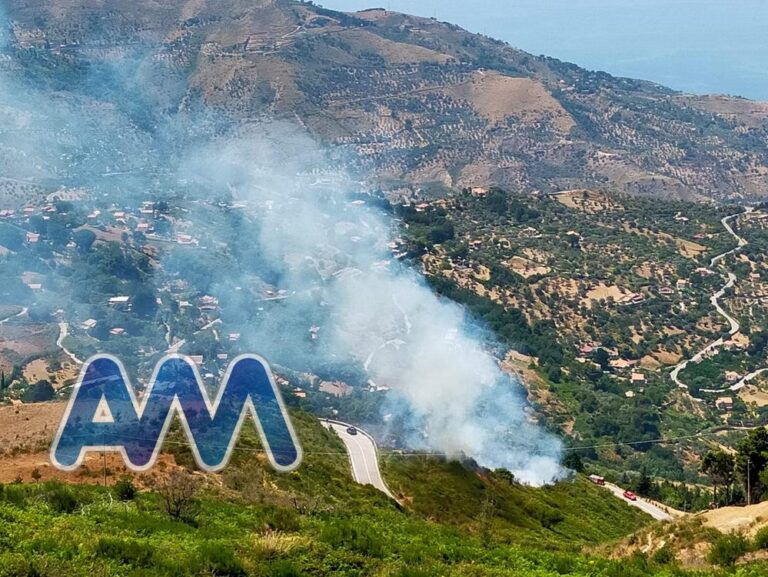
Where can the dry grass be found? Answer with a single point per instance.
(498, 97)
(588, 201)
(526, 268)
(28, 427)
(752, 394)
(603, 292)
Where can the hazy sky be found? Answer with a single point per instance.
(693, 45)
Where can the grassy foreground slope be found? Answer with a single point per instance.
(315, 521)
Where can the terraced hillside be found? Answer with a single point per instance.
(413, 104)
(602, 296)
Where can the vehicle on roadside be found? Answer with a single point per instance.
(630, 496)
(352, 430)
(597, 479)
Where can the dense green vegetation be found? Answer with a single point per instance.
(586, 283)
(456, 520)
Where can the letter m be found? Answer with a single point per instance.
(104, 414)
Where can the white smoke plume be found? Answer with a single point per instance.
(302, 230)
(380, 314)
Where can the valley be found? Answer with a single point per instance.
(613, 359)
(480, 277)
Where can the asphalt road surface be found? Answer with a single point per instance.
(653, 510)
(362, 456)
(734, 326)
(364, 460)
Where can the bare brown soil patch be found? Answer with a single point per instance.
(603, 292)
(526, 268)
(28, 427)
(92, 472)
(742, 519)
(499, 97)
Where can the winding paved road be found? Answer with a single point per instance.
(363, 456)
(652, 509)
(364, 460)
(17, 315)
(743, 382)
(734, 326)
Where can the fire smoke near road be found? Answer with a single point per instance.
(277, 216)
(332, 257)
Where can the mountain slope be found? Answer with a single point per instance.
(314, 521)
(412, 102)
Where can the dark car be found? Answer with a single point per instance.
(352, 430)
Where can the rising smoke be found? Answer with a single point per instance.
(300, 229)
(374, 312)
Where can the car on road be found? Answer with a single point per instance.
(630, 496)
(352, 430)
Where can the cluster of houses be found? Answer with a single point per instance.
(28, 211)
(118, 219)
(622, 367)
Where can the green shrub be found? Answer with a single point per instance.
(415, 572)
(354, 535)
(16, 565)
(282, 519)
(125, 551)
(633, 566)
(219, 559)
(60, 498)
(664, 556)
(761, 539)
(283, 568)
(563, 564)
(727, 549)
(124, 489)
(544, 514)
(14, 495)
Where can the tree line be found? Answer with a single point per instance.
(741, 476)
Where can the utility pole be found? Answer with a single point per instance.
(104, 460)
(749, 488)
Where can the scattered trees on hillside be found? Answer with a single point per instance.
(748, 466)
(719, 465)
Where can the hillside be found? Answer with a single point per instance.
(314, 521)
(107, 163)
(604, 296)
(412, 104)
(159, 194)
(728, 536)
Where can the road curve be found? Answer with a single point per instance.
(63, 332)
(743, 382)
(364, 460)
(651, 509)
(734, 326)
(363, 456)
(17, 315)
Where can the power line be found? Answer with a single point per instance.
(406, 453)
